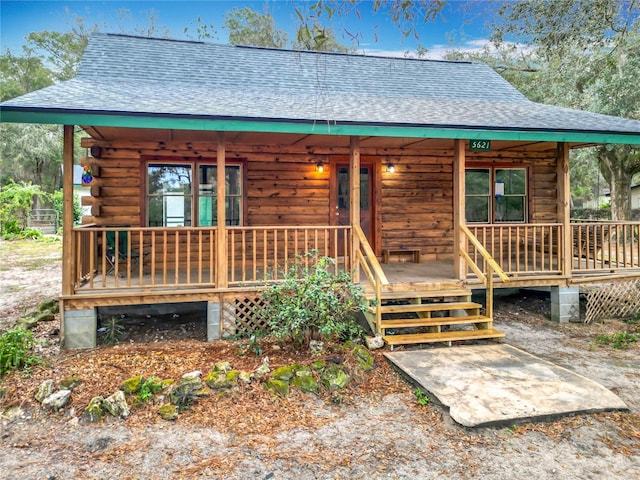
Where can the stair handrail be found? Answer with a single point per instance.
(492, 267)
(373, 270)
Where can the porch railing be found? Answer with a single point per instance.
(487, 264)
(605, 246)
(520, 249)
(185, 257)
(368, 262)
(262, 254)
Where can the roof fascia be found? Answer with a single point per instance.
(10, 115)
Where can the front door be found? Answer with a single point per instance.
(340, 200)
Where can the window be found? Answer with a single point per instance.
(175, 198)
(495, 195)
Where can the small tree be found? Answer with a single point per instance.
(313, 301)
(16, 200)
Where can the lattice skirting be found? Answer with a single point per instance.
(615, 300)
(237, 314)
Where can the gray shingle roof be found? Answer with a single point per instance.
(134, 75)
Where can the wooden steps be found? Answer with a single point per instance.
(418, 315)
(442, 337)
(432, 322)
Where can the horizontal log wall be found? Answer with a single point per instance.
(282, 187)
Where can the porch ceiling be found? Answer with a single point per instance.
(302, 140)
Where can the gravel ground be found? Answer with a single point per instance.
(376, 431)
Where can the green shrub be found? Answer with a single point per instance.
(618, 340)
(16, 200)
(112, 331)
(16, 350)
(312, 302)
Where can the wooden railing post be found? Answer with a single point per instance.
(354, 202)
(564, 209)
(68, 256)
(222, 274)
(459, 161)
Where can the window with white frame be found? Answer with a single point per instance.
(176, 197)
(495, 195)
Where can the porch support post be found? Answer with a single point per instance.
(222, 277)
(354, 203)
(67, 211)
(564, 207)
(459, 161)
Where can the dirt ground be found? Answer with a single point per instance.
(375, 429)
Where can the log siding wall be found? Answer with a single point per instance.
(282, 187)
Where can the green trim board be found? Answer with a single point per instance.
(181, 122)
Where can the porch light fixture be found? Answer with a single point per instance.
(319, 167)
(391, 168)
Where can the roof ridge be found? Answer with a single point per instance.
(286, 50)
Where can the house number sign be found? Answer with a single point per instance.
(480, 145)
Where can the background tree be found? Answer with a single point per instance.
(248, 27)
(22, 74)
(584, 54)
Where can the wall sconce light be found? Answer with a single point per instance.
(391, 168)
(319, 167)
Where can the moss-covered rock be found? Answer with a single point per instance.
(70, 383)
(333, 378)
(363, 357)
(277, 387)
(284, 373)
(45, 316)
(319, 365)
(303, 371)
(168, 412)
(44, 390)
(95, 410)
(305, 383)
(27, 323)
(221, 379)
(132, 385)
(263, 370)
(244, 377)
(116, 405)
(57, 400)
(222, 367)
(50, 305)
(185, 392)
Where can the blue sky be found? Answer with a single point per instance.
(462, 22)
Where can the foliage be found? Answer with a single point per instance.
(583, 55)
(16, 350)
(16, 200)
(22, 74)
(113, 331)
(311, 302)
(248, 27)
(58, 206)
(63, 51)
(421, 397)
(406, 15)
(31, 153)
(151, 386)
(319, 38)
(618, 340)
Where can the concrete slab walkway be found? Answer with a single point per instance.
(491, 385)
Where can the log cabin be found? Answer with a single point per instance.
(213, 166)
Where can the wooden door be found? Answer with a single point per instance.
(340, 199)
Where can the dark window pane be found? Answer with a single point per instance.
(477, 209)
(509, 209)
(514, 180)
(477, 181)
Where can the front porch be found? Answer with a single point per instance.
(174, 265)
